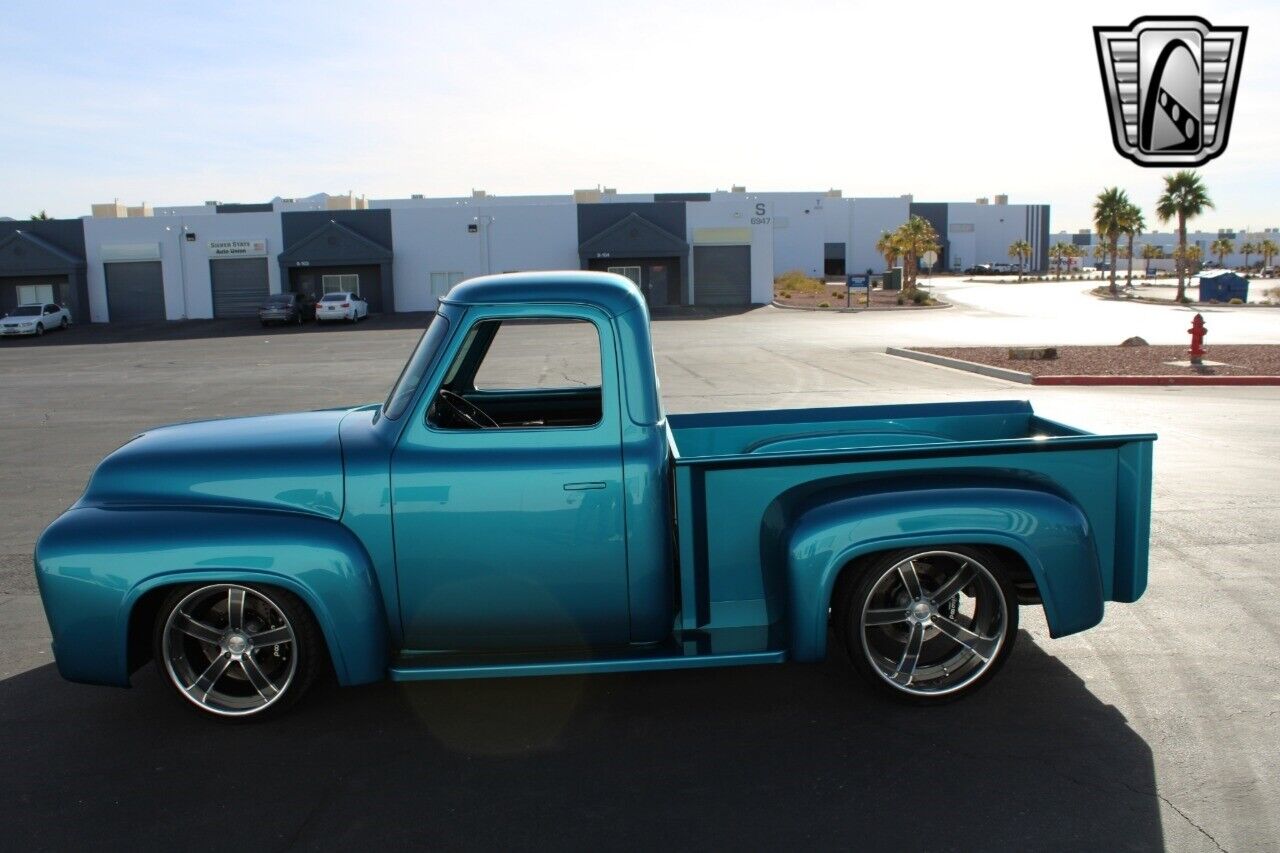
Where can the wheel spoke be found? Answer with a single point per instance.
(884, 616)
(910, 579)
(983, 647)
(906, 669)
(272, 637)
(192, 628)
(235, 608)
(204, 684)
(258, 678)
(962, 578)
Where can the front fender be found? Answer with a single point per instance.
(94, 564)
(1050, 534)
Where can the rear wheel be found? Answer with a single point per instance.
(928, 626)
(236, 651)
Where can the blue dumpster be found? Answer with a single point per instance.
(1223, 286)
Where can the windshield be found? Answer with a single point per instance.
(335, 297)
(416, 368)
(25, 311)
(280, 299)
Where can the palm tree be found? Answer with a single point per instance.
(1109, 211)
(1058, 252)
(1073, 252)
(1268, 249)
(1151, 252)
(1021, 250)
(1184, 197)
(40, 217)
(1248, 248)
(888, 248)
(915, 237)
(1222, 247)
(1189, 257)
(1132, 225)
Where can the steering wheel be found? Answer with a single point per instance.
(467, 410)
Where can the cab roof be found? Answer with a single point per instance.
(614, 294)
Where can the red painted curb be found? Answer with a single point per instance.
(1155, 380)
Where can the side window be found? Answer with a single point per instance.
(523, 374)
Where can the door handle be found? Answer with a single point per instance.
(582, 487)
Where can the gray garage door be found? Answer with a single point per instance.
(721, 275)
(135, 291)
(239, 286)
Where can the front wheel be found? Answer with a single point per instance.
(236, 651)
(929, 626)
(63, 325)
(39, 329)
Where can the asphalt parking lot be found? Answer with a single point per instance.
(1158, 729)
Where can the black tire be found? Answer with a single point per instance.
(958, 668)
(39, 329)
(308, 649)
(64, 324)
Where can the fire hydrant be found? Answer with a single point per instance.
(1197, 331)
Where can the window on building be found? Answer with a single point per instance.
(442, 282)
(28, 293)
(346, 283)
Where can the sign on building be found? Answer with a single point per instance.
(237, 248)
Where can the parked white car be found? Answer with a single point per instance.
(35, 318)
(341, 306)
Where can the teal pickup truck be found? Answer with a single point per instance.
(522, 505)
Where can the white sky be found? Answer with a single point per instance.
(174, 104)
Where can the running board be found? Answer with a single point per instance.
(690, 654)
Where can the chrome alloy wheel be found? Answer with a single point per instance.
(934, 623)
(229, 649)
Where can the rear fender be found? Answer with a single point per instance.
(1050, 534)
(94, 564)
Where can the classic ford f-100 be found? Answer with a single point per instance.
(521, 505)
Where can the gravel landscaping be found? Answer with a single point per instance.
(1238, 360)
(834, 296)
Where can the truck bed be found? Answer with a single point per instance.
(741, 478)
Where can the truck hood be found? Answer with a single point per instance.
(291, 462)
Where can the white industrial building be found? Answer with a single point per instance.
(137, 263)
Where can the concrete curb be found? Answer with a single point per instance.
(1028, 379)
(1156, 380)
(859, 310)
(960, 364)
(1194, 306)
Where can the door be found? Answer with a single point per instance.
(239, 286)
(722, 275)
(659, 284)
(506, 489)
(135, 291)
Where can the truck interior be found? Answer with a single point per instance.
(496, 382)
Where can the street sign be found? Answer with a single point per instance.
(929, 258)
(855, 282)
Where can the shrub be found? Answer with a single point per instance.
(921, 297)
(902, 300)
(786, 296)
(796, 281)
(1236, 300)
(835, 294)
(824, 304)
